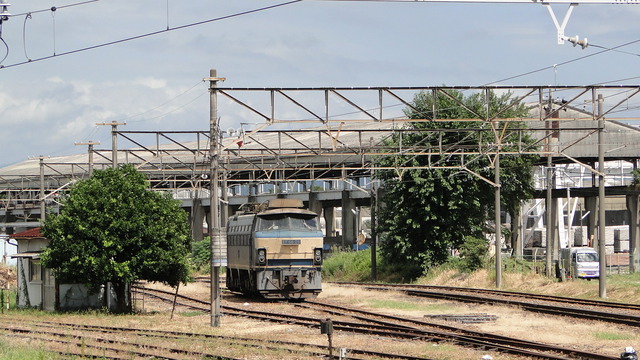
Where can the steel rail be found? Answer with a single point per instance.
(243, 313)
(165, 334)
(453, 293)
(476, 340)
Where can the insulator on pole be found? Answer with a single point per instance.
(4, 11)
(576, 41)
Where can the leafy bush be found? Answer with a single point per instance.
(201, 255)
(473, 254)
(347, 266)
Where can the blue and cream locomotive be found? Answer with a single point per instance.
(274, 250)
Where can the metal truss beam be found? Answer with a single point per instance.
(311, 134)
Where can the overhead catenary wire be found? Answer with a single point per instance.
(179, 107)
(54, 8)
(6, 54)
(94, 130)
(564, 62)
(167, 102)
(620, 51)
(153, 33)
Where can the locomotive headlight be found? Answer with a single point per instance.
(317, 256)
(262, 257)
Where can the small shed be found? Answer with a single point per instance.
(37, 286)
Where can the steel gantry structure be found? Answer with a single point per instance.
(306, 136)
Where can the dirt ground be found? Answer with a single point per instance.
(511, 321)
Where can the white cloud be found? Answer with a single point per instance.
(47, 105)
(152, 83)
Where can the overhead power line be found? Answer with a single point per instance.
(54, 8)
(565, 62)
(152, 33)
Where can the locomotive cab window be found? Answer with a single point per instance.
(298, 222)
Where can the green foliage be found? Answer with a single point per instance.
(473, 254)
(519, 266)
(356, 266)
(635, 183)
(112, 228)
(201, 255)
(432, 207)
(347, 266)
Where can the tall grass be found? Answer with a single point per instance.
(347, 266)
(12, 352)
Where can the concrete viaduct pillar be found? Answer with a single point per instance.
(348, 219)
(315, 205)
(330, 220)
(196, 218)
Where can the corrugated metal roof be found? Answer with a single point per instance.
(28, 234)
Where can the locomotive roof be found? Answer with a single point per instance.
(278, 211)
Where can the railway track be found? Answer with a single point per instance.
(363, 322)
(90, 341)
(109, 344)
(611, 312)
(204, 306)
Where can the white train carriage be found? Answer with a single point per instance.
(275, 251)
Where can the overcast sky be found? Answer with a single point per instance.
(155, 82)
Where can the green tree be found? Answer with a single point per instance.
(431, 207)
(112, 228)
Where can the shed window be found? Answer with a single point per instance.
(35, 270)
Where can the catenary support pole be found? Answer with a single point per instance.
(602, 241)
(548, 200)
(374, 232)
(114, 144)
(498, 222)
(90, 150)
(114, 141)
(42, 200)
(214, 223)
(90, 153)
